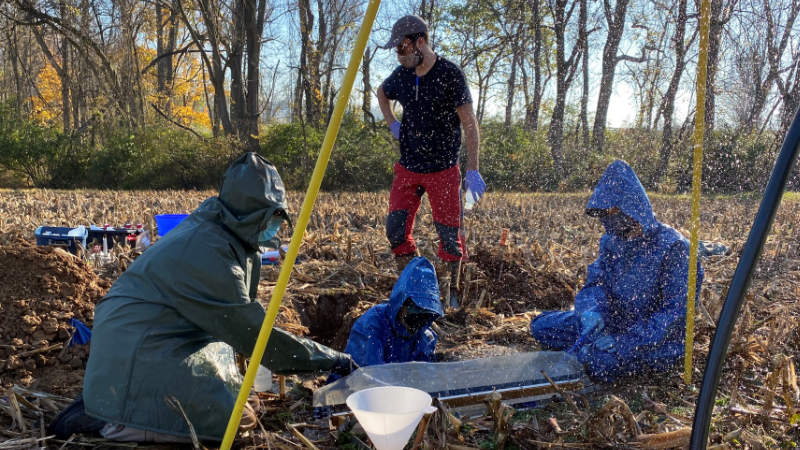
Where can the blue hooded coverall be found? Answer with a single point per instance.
(637, 285)
(378, 338)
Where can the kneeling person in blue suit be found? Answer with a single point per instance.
(400, 330)
(629, 317)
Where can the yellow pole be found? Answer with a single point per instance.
(697, 172)
(302, 223)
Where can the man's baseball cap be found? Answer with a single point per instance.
(405, 26)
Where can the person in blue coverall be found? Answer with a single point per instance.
(629, 317)
(400, 329)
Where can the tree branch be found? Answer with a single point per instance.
(178, 124)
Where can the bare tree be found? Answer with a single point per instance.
(611, 57)
(583, 40)
(533, 102)
(210, 14)
(366, 99)
(721, 13)
(667, 107)
(166, 40)
(565, 70)
(650, 77)
(479, 47)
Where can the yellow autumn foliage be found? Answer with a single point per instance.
(188, 96)
(47, 105)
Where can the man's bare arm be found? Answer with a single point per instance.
(471, 134)
(386, 107)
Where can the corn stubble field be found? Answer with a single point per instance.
(345, 267)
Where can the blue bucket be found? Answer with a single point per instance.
(166, 222)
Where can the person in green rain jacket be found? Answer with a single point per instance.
(167, 332)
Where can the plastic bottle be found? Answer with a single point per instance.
(263, 380)
(106, 227)
(469, 200)
(142, 240)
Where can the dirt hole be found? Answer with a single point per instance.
(329, 318)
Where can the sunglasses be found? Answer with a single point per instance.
(401, 47)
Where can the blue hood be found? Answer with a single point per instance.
(377, 337)
(418, 281)
(619, 186)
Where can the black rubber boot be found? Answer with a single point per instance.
(455, 282)
(73, 420)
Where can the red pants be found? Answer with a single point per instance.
(444, 194)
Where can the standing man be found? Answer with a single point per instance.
(436, 104)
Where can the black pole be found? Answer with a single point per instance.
(741, 280)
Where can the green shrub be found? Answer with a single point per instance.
(44, 156)
(362, 158)
(514, 159)
(158, 158)
(109, 156)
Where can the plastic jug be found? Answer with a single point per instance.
(469, 200)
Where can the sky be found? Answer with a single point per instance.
(284, 51)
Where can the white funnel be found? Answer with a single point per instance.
(389, 413)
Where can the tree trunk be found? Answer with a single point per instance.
(668, 103)
(310, 63)
(790, 95)
(127, 73)
(13, 57)
(616, 26)
(565, 69)
(166, 40)
(59, 67)
(512, 82)
(216, 71)
(714, 41)
(366, 99)
(255, 15)
(66, 108)
(532, 107)
(235, 58)
(583, 37)
(788, 88)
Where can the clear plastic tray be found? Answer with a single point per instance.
(458, 379)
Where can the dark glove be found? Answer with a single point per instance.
(344, 365)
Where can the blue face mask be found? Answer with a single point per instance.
(619, 225)
(267, 237)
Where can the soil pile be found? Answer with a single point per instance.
(43, 288)
(517, 281)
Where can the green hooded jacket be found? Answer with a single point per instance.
(170, 325)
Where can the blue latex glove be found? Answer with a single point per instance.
(474, 182)
(82, 334)
(605, 344)
(591, 324)
(394, 127)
